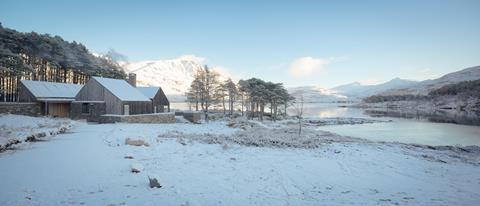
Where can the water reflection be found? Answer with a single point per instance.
(407, 127)
(444, 116)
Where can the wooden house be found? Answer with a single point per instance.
(55, 98)
(118, 96)
(159, 100)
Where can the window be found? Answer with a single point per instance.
(85, 108)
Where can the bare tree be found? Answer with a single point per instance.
(202, 90)
(298, 105)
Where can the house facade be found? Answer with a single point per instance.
(54, 98)
(117, 95)
(159, 100)
(99, 96)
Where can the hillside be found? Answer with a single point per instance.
(356, 90)
(316, 94)
(173, 75)
(424, 87)
(435, 95)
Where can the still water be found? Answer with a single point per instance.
(431, 129)
(428, 129)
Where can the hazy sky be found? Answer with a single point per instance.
(324, 43)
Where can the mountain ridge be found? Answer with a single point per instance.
(173, 75)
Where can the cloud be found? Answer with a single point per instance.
(306, 66)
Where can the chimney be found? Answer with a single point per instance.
(132, 79)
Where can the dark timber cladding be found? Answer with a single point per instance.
(119, 96)
(55, 98)
(160, 101)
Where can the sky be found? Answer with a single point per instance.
(323, 43)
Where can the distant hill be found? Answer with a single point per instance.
(457, 91)
(424, 87)
(399, 86)
(316, 94)
(349, 92)
(357, 91)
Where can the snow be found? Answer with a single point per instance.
(396, 86)
(149, 92)
(136, 167)
(173, 75)
(15, 129)
(87, 166)
(121, 89)
(43, 89)
(424, 87)
(358, 90)
(316, 94)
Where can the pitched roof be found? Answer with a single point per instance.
(149, 92)
(121, 89)
(42, 89)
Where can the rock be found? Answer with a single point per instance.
(154, 183)
(225, 146)
(136, 168)
(136, 142)
(181, 141)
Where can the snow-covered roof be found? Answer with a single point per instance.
(42, 89)
(121, 89)
(149, 92)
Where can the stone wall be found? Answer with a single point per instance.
(21, 108)
(95, 110)
(191, 116)
(139, 118)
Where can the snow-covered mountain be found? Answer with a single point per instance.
(349, 92)
(424, 87)
(173, 75)
(399, 86)
(316, 94)
(358, 90)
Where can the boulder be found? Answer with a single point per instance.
(136, 142)
(154, 183)
(136, 168)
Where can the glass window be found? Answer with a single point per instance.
(85, 108)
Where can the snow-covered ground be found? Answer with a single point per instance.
(92, 165)
(16, 129)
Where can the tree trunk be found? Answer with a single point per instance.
(223, 102)
(299, 125)
(242, 105)
(271, 110)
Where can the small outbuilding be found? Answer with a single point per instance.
(118, 96)
(159, 100)
(54, 98)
